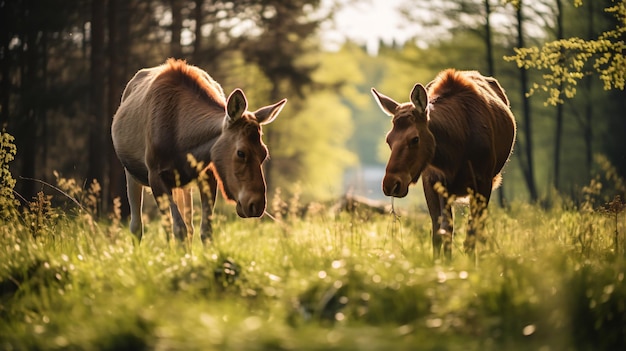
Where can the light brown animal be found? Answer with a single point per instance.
(458, 132)
(175, 110)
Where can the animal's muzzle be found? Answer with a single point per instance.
(253, 206)
(394, 185)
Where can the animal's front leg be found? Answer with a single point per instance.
(135, 200)
(208, 191)
(184, 201)
(161, 193)
(447, 226)
(441, 217)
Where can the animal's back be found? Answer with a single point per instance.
(472, 122)
(154, 101)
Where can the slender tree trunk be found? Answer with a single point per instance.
(5, 66)
(558, 134)
(28, 141)
(491, 71)
(176, 49)
(43, 112)
(529, 173)
(559, 108)
(588, 125)
(118, 42)
(197, 43)
(95, 169)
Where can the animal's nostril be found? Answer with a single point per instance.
(252, 209)
(396, 187)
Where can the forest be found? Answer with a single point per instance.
(316, 271)
(65, 63)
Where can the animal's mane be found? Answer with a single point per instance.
(179, 73)
(448, 83)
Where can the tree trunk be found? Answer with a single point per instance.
(5, 65)
(119, 34)
(96, 167)
(28, 140)
(588, 124)
(176, 49)
(488, 40)
(197, 43)
(528, 167)
(559, 108)
(491, 71)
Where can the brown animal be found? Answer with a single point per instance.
(174, 110)
(459, 134)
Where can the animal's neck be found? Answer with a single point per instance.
(440, 134)
(201, 134)
(449, 130)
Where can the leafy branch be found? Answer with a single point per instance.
(564, 61)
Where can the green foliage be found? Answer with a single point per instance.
(565, 61)
(325, 280)
(8, 203)
(311, 155)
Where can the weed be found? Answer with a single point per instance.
(8, 202)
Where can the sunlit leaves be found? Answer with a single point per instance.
(565, 62)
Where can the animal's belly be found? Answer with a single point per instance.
(129, 145)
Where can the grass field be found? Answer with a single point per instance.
(543, 280)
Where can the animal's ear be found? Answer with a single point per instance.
(387, 104)
(267, 114)
(419, 98)
(236, 105)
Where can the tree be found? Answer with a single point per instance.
(528, 160)
(97, 113)
(278, 51)
(563, 60)
(558, 133)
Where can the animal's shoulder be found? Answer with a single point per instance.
(177, 74)
(451, 82)
(466, 85)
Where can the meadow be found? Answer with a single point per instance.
(543, 280)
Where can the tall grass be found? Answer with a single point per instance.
(543, 280)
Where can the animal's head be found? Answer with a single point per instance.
(411, 142)
(239, 153)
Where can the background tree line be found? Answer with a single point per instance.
(65, 63)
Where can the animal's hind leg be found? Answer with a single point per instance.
(135, 200)
(208, 191)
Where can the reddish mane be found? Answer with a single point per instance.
(178, 74)
(450, 82)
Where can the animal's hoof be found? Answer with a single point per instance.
(444, 233)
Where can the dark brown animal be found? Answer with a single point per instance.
(174, 111)
(458, 134)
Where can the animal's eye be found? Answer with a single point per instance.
(415, 140)
(241, 154)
